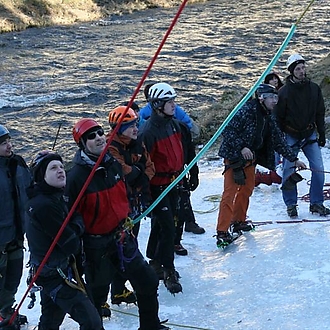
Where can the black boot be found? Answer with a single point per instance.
(171, 281)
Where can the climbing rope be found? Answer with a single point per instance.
(167, 323)
(215, 199)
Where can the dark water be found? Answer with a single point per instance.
(58, 75)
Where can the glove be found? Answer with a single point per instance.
(239, 176)
(291, 182)
(238, 171)
(193, 182)
(321, 139)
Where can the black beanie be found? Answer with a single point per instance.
(39, 169)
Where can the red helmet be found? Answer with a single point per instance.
(82, 126)
(116, 114)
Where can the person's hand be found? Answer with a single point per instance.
(193, 182)
(239, 176)
(247, 153)
(321, 139)
(238, 172)
(300, 165)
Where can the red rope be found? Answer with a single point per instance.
(51, 248)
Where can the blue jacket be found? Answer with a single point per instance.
(179, 114)
(257, 130)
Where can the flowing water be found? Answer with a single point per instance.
(54, 76)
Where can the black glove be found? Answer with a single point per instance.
(193, 182)
(291, 181)
(321, 139)
(238, 171)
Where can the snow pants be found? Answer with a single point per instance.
(235, 199)
(164, 216)
(105, 260)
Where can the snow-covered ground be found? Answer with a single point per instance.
(277, 277)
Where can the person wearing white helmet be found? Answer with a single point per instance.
(15, 177)
(300, 112)
(168, 142)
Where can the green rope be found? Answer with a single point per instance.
(304, 12)
(168, 323)
(215, 199)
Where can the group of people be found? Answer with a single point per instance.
(97, 252)
(286, 120)
(97, 249)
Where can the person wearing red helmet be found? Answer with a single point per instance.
(109, 245)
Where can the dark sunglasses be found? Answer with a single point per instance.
(92, 136)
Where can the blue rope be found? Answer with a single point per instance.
(224, 124)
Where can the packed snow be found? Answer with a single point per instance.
(277, 277)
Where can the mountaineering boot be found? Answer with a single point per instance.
(6, 313)
(193, 227)
(320, 209)
(180, 250)
(162, 326)
(224, 238)
(5, 316)
(158, 268)
(106, 312)
(239, 226)
(126, 296)
(292, 211)
(171, 281)
(262, 177)
(275, 177)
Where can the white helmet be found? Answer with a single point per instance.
(161, 91)
(294, 58)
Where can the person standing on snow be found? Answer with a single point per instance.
(300, 113)
(163, 137)
(270, 177)
(250, 138)
(63, 290)
(109, 245)
(15, 177)
(138, 169)
(189, 221)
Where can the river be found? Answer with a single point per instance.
(57, 75)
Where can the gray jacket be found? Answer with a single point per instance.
(15, 177)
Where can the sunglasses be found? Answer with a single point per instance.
(92, 136)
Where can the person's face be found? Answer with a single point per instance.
(131, 132)
(6, 148)
(274, 82)
(55, 174)
(169, 107)
(270, 101)
(96, 142)
(299, 72)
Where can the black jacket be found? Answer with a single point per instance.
(300, 108)
(46, 210)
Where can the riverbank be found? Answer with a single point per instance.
(22, 14)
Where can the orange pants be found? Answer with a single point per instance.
(235, 199)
